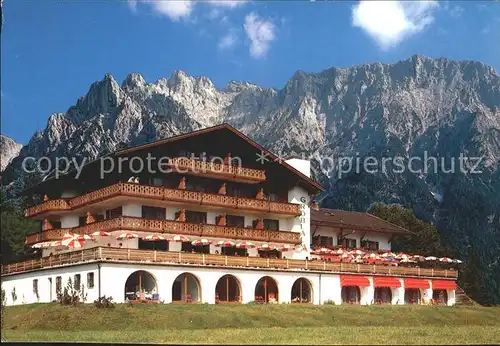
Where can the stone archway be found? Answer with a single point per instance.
(140, 285)
(440, 297)
(186, 288)
(228, 290)
(266, 290)
(351, 295)
(382, 295)
(413, 296)
(302, 291)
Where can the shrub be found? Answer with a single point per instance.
(71, 295)
(329, 302)
(13, 294)
(104, 302)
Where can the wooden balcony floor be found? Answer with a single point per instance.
(107, 254)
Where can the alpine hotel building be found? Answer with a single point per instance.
(235, 230)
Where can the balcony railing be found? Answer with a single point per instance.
(165, 257)
(162, 193)
(127, 223)
(217, 170)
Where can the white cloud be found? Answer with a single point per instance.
(389, 22)
(456, 11)
(175, 10)
(178, 9)
(260, 32)
(228, 41)
(227, 3)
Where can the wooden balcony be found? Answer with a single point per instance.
(166, 194)
(135, 224)
(186, 165)
(180, 258)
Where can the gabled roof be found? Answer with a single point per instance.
(310, 183)
(225, 126)
(354, 220)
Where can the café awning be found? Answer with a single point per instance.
(417, 283)
(443, 285)
(380, 281)
(354, 280)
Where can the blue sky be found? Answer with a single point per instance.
(53, 50)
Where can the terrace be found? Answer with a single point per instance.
(108, 254)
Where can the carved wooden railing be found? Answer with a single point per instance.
(199, 167)
(161, 193)
(165, 257)
(127, 223)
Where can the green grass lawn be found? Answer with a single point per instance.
(253, 324)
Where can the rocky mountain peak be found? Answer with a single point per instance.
(9, 149)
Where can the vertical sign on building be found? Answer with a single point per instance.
(303, 220)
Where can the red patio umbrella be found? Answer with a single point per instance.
(179, 238)
(266, 247)
(127, 235)
(201, 242)
(101, 234)
(84, 237)
(245, 245)
(322, 251)
(71, 240)
(287, 247)
(153, 237)
(225, 243)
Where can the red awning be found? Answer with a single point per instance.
(386, 282)
(417, 283)
(354, 280)
(443, 285)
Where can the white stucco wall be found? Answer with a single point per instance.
(382, 238)
(325, 286)
(23, 284)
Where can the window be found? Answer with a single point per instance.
(326, 241)
(271, 224)
(58, 284)
(90, 280)
(82, 220)
(35, 286)
(235, 221)
(370, 245)
(346, 242)
(154, 213)
(155, 181)
(350, 243)
(196, 216)
(77, 281)
(112, 213)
